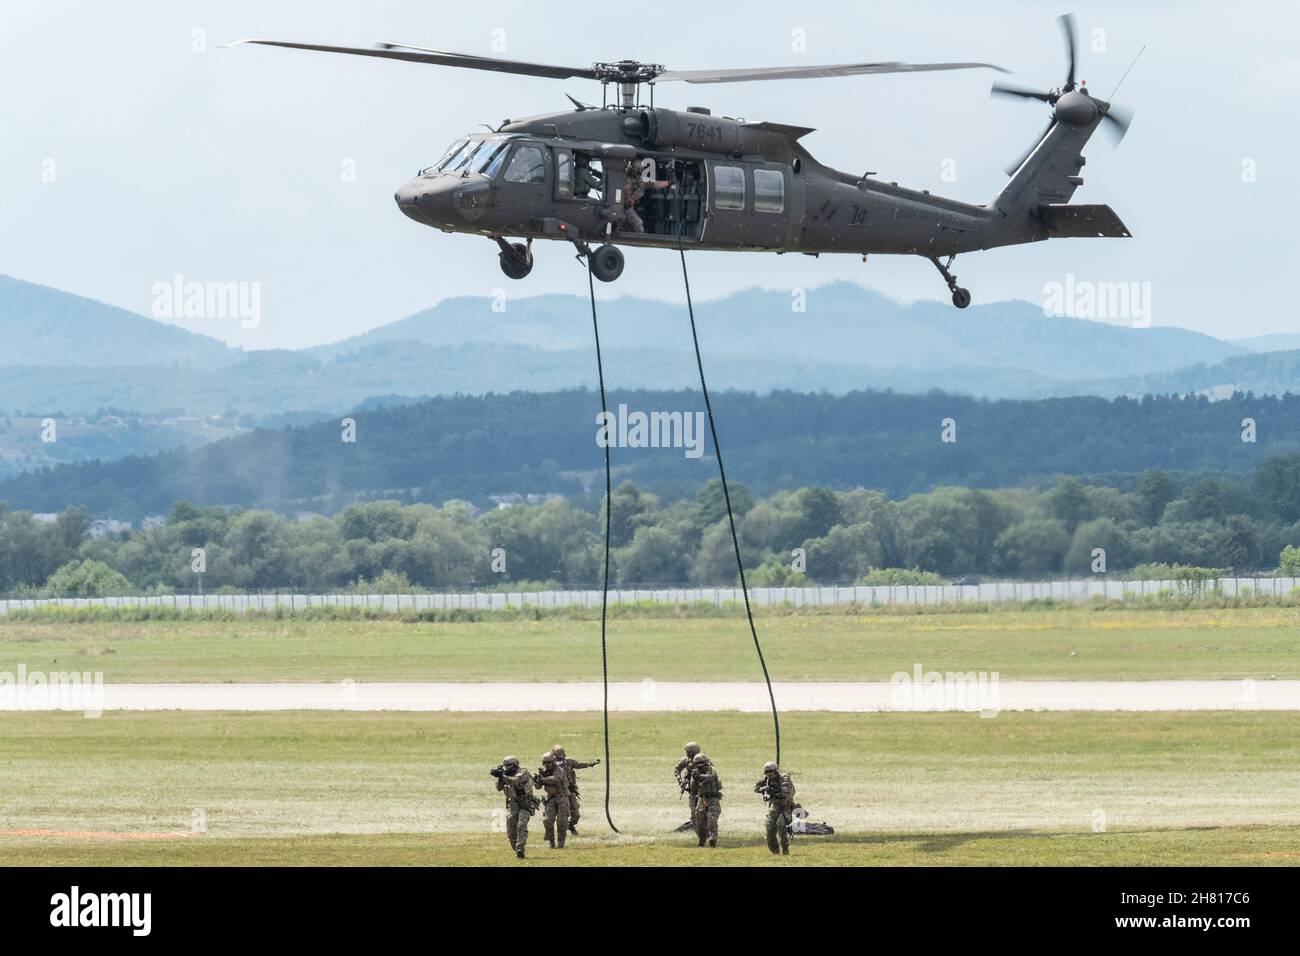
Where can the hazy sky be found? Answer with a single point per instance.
(227, 164)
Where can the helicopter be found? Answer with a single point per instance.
(632, 174)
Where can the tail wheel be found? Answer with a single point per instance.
(960, 298)
(518, 262)
(607, 263)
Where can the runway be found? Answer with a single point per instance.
(930, 693)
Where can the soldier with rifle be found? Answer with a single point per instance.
(555, 805)
(777, 790)
(517, 785)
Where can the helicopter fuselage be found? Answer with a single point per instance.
(712, 182)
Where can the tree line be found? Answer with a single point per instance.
(812, 534)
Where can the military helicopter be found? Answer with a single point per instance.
(633, 174)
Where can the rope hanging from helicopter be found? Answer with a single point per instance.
(731, 524)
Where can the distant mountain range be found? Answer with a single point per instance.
(64, 353)
(45, 328)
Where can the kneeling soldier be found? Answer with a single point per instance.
(708, 807)
(517, 784)
(778, 793)
(555, 817)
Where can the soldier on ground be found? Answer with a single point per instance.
(517, 785)
(708, 806)
(569, 765)
(555, 815)
(777, 790)
(686, 781)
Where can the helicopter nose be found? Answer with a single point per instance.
(427, 201)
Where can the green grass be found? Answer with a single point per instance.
(1075, 643)
(952, 789)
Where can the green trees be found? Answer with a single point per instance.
(816, 535)
(86, 579)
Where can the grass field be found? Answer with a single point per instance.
(1063, 643)
(413, 788)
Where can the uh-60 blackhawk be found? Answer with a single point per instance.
(640, 175)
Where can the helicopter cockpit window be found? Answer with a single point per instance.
(526, 166)
(458, 162)
(453, 151)
(489, 159)
(769, 190)
(729, 187)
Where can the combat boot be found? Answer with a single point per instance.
(713, 842)
(519, 853)
(785, 851)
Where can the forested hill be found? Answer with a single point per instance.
(524, 443)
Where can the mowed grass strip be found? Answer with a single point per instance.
(413, 788)
(1059, 644)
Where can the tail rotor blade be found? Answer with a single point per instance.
(1120, 119)
(999, 89)
(1066, 20)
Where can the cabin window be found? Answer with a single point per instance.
(563, 174)
(526, 166)
(728, 187)
(769, 190)
(588, 177)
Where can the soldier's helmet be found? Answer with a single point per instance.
(692, 749)
(770, 767)
(510, 762)
(699, 760)
(548, 757)
(558, 751)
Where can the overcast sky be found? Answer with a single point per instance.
(227, 164)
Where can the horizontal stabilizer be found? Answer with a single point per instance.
(1082, 222)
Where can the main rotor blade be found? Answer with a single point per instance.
(1001, 90)
(439, 58)
(813, 72)
(1066, 20)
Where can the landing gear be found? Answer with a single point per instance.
(606, 263)
(960, 296)
(516, 258)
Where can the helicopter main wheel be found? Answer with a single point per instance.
(518, 262)
(961, 298)
(606, 263)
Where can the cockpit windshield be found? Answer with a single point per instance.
(480, 155)
(455, 153)
(488, 159)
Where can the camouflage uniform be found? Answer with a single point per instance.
(780, 809)
(520, 804)
(684, 766)
(555, 816)
(634, 188)
(708, 806)
(569, 765)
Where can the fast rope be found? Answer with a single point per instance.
(604, 590)
(726, 495)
